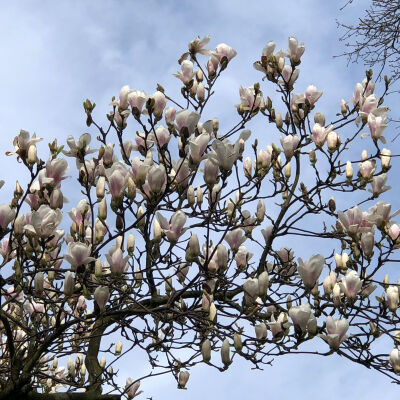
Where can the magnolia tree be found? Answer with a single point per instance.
(157, 257)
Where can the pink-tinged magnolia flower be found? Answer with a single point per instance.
(312, 95)
(44, 221)
(159, 103)
(81, 213)
(367, 168)
(351, 284)
(118, 263)
(101, 296)
(263, 159)
(249, 101)
(223, 50)
(285, 254)
(198, 145)
(156, 181)
(181, 172)
(161, 137)
(212, 65)
(136, 99)
(250, 290)
(196, 46)
(211, 172)
(53, 174)
(31, 307)
(380, 213)
(355, 221)
(186, 73)
(290, 76)
(392, 301)
(367, 243)
(170, 114)
(378, 184)
(173, 229)
(302, 317)
(368, 104)
(123, 97)
(336, 332)
(235, 238)
(394, 231)
(311, 269)
(295, 50)
(22, 142)
(242, 257)
(267, 232)
(319, 134)
(394, 360)
(332, 140)
(78, 254)
(377, 125)
(289, 144)
(117, 177)
(7, 214)
(187, 119)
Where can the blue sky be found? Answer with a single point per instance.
(56, 54)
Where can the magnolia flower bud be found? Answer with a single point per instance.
(32, 154)
(247, 168)
(38, 282)
(102, 362)
(319, 118)
(385, 158)
(100, 187)
(206, 350)
(118, 348)
(351, 284)
(183, 378)
(199, 195)
(261, 331)
(288, 170)
(263, 284)
(225, 353)
(69, 283)
(392, 298)
(313, 157)
(212, 313)
(102, 210)
(260, 214)
(237, 342)
(329, 283)
(101, 296)
(190, 195)
(394, 231)
(394, 360)
(336, 293)
(98, 268)
(157, 231)
(278, 120)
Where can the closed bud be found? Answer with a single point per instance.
(349, 171)
(69, 283)
(332, 204)
(278, 120)
(102, 210)
(313, 157)
(237, 342)
(288, 170)
(319, 118)
(190, 195)
(263, 283)
(100, 187)
(38, 283)
(102, 362)
(260, 210)
(225, 353)
(199, 195)
(183, 379)
(131, 189)
(118, 348)
(157, 231)
(98, 268)
(206, 350)
(32, 154)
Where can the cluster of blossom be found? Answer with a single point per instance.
(146, 266)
